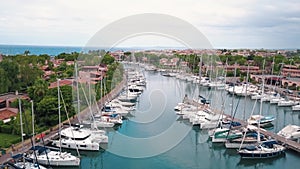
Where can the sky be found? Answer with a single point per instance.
(268, 24)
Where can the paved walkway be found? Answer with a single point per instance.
(50, 133)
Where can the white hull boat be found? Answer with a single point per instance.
(55, 158)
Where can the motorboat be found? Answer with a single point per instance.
(291, 132)
(287, 103)
(296, 107)
(263, 120)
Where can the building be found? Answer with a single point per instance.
(2, 103)
(6, 114)
(163, 61)
(241, 68)
(269, 79)
(64, 82)
(244, 69)
(94, 74)
(277, 80)
(168, 62)
(290, 71)
(295, 82)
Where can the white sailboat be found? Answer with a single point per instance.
(46, 156)
(265, 149)
(56, 158)
(20, 160)
(77, 138)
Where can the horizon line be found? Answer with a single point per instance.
(145, 47)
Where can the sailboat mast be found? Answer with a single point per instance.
(90, 95)
(32, 115)
(59, 118)
(21, 123)
(77, 90)
(246, 92)
(200, 69)
(233, 89)
(101, 90)
(273, 63)
(261, 102)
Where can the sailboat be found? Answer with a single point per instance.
(265, 149)
(56, 158)
(46, 156)
(25, 163)
(222, 134)
(75, 137)
(21, 161)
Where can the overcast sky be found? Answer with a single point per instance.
(226, 23)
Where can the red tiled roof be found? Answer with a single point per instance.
(95, 73)
(6, 113)
(90, 67)
(61, 83)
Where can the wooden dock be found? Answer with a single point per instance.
(289, 144)
(293, 145)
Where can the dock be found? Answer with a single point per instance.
(289, 144)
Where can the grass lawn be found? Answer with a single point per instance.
(6, 140)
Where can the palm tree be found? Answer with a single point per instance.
(26, 52)
(40, 88)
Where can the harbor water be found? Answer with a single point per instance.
(153, 136)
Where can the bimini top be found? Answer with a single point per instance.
(269, 143)
(17, 156)
(40, 149)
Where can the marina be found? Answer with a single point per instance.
(150, 85)
(154, 114)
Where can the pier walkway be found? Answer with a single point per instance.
(287, 143)
(52, 132)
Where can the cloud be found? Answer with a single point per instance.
(226, 23)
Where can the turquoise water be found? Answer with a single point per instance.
(37, 50)
(55, 50)
(155, 116)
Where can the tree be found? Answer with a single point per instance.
(258, 61)
(38, 90)
(47, 111)
(107, 59)
(12, 72)
(68, 56)
(26, 52)
(28, 75)
(4, 81)
(250, 57)
(127, 53)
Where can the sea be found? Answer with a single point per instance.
(37, 50)
(55, 50)
(153, 136)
